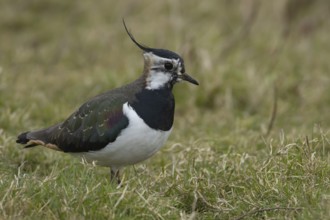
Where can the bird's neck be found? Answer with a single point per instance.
(158, 80)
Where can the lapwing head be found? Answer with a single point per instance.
(162, 68)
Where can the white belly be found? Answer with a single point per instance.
(136, 143)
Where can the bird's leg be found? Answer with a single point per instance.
(114, 176)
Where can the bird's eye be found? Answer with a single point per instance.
(168, 66)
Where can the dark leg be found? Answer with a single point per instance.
(114, 176)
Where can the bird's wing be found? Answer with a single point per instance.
(95, 124)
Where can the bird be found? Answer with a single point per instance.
(125, 125)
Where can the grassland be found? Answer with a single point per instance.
(251, 142)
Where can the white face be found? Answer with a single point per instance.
(162, 71)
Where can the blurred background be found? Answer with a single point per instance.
(54, 55)
(264, 74)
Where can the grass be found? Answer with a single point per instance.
(219, 162)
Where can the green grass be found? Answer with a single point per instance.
(219, 162)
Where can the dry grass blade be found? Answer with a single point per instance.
(274, 111)
(256, 211)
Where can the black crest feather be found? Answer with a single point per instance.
(159, 52)
(142, 47)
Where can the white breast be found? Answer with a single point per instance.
(135, 143)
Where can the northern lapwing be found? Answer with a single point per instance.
(125, 125)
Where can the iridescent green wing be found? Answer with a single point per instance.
(94, 125)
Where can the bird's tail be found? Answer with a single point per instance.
(40, 137)
(23, 139)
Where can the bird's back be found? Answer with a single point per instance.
(91, 127)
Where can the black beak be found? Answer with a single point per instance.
(188, 78)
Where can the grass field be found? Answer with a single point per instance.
(251, 142)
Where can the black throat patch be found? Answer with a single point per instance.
(155, 107)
